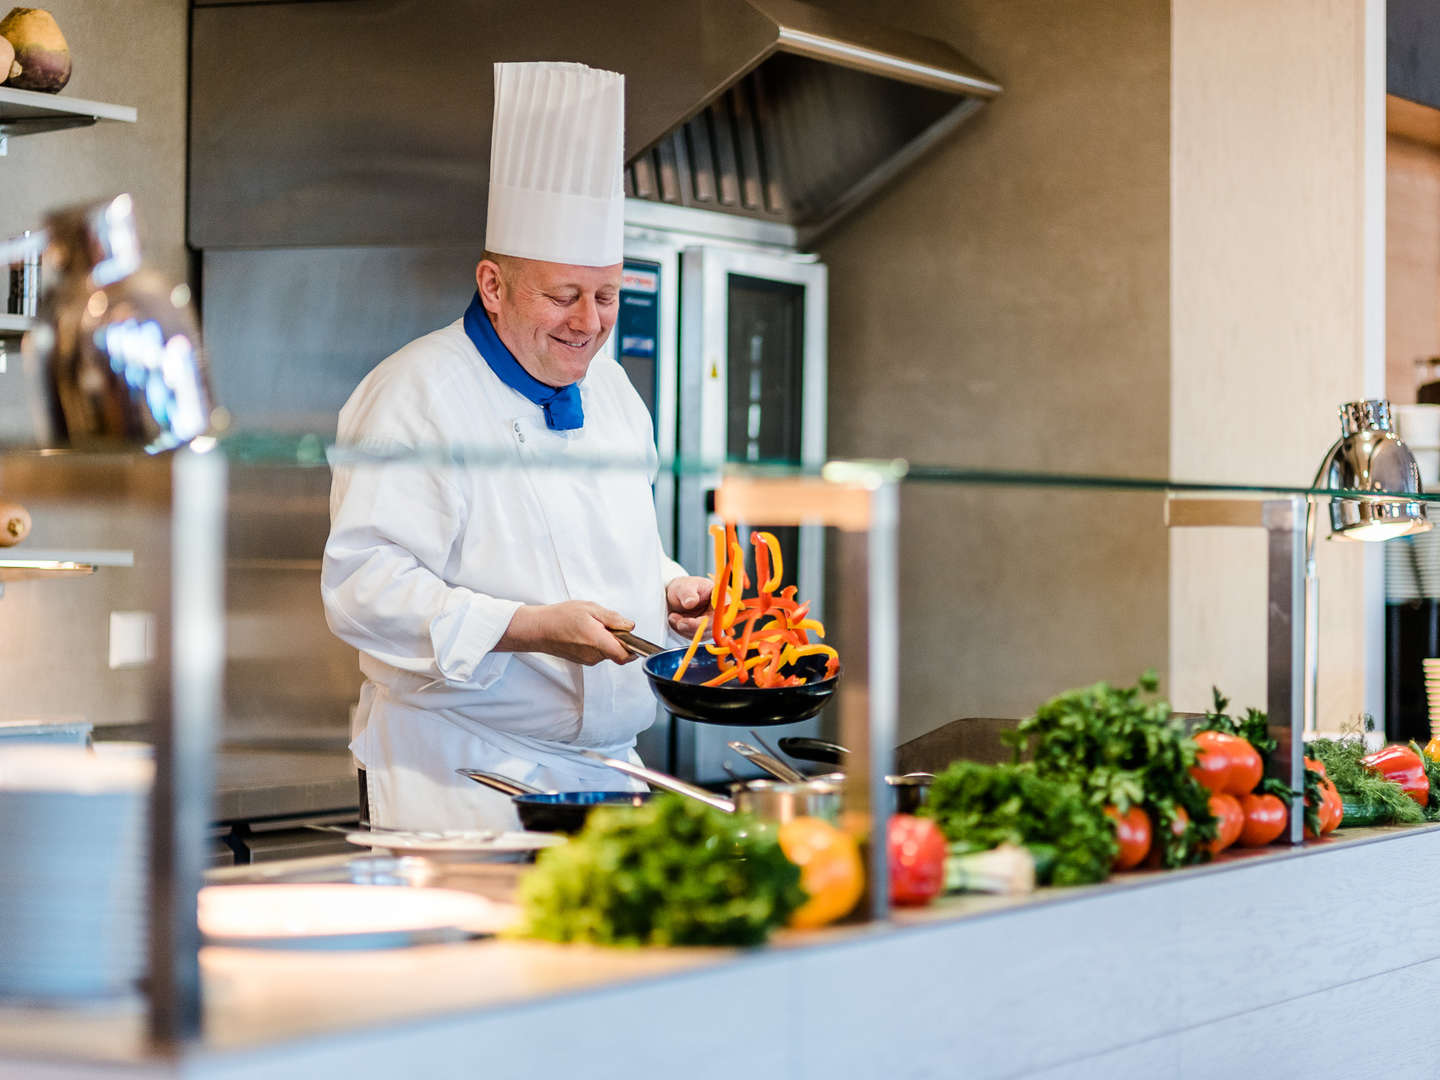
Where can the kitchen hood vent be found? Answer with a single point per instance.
(367, 122)
(806, 135)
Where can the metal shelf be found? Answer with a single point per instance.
(21, 564)
(14, 325)
(29, 112)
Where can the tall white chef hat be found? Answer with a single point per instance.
(556, 155)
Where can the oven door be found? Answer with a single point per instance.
(752, 389)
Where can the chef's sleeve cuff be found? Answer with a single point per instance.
(465, 635)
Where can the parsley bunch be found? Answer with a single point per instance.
(1122, 746)
(673, 872)
(981, 806)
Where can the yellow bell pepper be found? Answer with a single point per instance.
(831, 872)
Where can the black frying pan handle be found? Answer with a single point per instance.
(802, 748)
(500, 783)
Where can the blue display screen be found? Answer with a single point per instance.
(637, 329)
(638, 326)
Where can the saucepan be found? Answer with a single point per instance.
(744, 705)
(553, 811)
(910, 789)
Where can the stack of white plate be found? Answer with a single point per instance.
(1412, 563)
(1419, 428)
(73, 842)
(1432, 692)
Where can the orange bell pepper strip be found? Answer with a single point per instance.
(737, 586)
(733, 672)
(769, 582)
(690, 652)
(762, 561)
(722, 577)
(831, 666)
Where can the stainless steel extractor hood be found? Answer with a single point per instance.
(344, 122)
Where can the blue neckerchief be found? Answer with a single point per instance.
(561, 405)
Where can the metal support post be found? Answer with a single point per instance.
(188, 712)
(861, 500)
(1283, 520)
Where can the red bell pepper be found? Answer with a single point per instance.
(1401, 765)
(917, 859)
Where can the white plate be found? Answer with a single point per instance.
(344, 916)
(456, 843)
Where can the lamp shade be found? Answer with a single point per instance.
(1369, 456)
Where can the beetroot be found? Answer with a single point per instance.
(42, 59)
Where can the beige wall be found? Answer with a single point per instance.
(1005, 304)
(127, 52)
(1412, 261)
(1277, 314)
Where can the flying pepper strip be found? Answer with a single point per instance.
(694, 644)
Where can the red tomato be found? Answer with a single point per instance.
(1246, 767)
(1226, 809)
(1155, 860)
(1212, 761)
(917, 859)
(1336, 807)
(1265, 817)
(1331, 809)
(1318, 766)
(1132, 830)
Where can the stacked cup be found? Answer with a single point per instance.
(1432, 692)
(73, 836)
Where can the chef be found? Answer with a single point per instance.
(481, 598)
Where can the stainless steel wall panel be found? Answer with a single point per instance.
(362, 122)
(292, 332)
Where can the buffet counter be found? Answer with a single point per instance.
(255, 783)
(1290, 954)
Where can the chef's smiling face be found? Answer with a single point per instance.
(554, 317)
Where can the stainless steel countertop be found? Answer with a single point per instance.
(262, 783)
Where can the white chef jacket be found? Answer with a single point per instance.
(426, 564)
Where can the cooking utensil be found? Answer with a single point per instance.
(743, 705)
(766, 800)
(664, 781)
(553, 811)
(771, 764)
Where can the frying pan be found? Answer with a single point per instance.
(806, 749)
(745, 705)
(553, 811)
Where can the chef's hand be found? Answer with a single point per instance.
(687, 598)
(575, 630)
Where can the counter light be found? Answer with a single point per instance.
(1368, 456)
